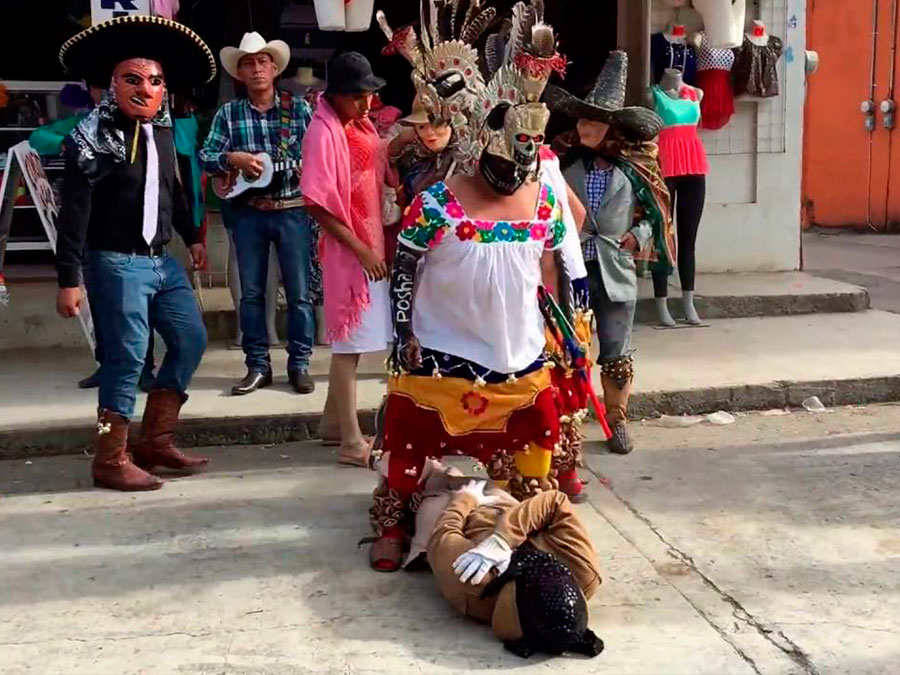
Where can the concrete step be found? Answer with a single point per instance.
(734, 364)
(736, 296)
(31, 320)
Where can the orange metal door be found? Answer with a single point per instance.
(851, 159)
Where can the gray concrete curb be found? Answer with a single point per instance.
(266, 430)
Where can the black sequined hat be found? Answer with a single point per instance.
(94, 53)
(606, 102)
(551, 608)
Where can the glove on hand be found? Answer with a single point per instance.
(474, 565)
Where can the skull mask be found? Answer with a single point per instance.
(515, 134)
(139, 87)
(521, 134)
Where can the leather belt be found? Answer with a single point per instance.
(150, 252)
(269, 204)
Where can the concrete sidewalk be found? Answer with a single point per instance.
(869, 260)
(31, 319)
(734, 364)
(255, 568)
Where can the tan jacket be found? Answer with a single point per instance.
(547, 521)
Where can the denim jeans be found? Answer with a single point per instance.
(149, 363)
(128, 294)
(291, 233)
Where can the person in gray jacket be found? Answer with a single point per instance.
(611, 164)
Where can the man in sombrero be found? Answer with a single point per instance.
(122, 202)
(610, 162)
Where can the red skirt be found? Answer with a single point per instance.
(412, 434)
(717, 106)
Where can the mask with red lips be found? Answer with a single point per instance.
(139, 87)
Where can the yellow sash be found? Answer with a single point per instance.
(465, 408)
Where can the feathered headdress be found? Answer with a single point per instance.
(449, 73)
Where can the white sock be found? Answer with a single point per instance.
(662, 313)
(690, 312)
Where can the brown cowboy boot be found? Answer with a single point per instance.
(156, 445)
(112, 468)
(616, 401)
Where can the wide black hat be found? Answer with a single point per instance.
(606, 102)
(94, 53)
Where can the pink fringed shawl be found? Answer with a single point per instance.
(327, 181)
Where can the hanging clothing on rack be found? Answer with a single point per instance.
(714, 79)
(678, 55)
(756, 68)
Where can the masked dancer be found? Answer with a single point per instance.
(123, 198)
(469, 372)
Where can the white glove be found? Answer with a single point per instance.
(475, 488)
(474, 564)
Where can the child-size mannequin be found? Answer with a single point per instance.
(672, 50)
(755, 68)
(714, 66)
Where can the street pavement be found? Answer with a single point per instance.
(868, 260)
(767, 546)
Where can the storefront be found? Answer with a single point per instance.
(752, 217)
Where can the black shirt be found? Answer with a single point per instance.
(108, 215)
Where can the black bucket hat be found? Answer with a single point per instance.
(551, 608)
(606, 102)
(351, 73)
(94, 53)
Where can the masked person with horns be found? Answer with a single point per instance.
(610, 162)
(123, 198)
(469, 371)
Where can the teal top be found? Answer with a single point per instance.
(676, 111)
(47, 140)
(186, 131)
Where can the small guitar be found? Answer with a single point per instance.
(232, 183)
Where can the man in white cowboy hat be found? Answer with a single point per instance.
(271, 121)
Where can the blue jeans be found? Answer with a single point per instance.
(290, 230)
(128, 294)
(149, 363)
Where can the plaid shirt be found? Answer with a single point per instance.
(239, 127)
(597, 183)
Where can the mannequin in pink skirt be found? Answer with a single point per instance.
(684, 165)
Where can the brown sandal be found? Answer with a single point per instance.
(386, 554)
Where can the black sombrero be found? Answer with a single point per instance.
(606, 102)
(93, 54)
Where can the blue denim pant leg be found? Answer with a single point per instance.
(149, 362)
(120, 290)
(252, 239)
(292, 231)
(175, 315)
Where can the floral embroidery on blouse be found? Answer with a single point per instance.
(436, 211)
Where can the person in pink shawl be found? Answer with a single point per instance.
(344, 165)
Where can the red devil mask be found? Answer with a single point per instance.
(139, 86)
